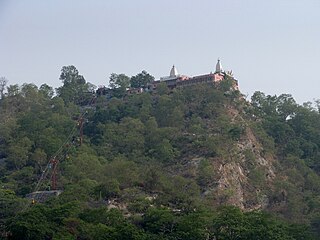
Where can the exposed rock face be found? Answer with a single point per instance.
(231, 183)
(242, 179)
(235, 176)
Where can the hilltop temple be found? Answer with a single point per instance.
(177, 80)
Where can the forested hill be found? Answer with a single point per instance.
(198, 162)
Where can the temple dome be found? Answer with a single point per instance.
(173, 71)
(219, 67)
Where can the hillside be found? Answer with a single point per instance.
(196, 162)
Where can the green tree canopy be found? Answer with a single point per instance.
(141, 79)
(119, 81)
(75, 89)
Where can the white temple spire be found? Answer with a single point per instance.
(219, 67)
(173, 71)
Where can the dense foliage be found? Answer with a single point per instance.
(145, 169)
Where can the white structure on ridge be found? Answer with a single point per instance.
(219, 67)
(173, 74)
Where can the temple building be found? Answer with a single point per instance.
(177, 80)
(170, 81)
(173, 78)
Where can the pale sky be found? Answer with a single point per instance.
(272, 46)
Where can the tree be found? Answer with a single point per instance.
(231, 223)
(226, 84)
(162, 88)
(30, 92)
(70, 75)
(164, 151)
(42, 222)
(159, 221)
(13, 90)
(206, 173)
(264, 105)
(46, 90)
(119, 81)
(141, 79)
(124, 172)
(40, 158)
(109, 189)
(18, 152)
(31, 225)
(127, 137)
(193, 226)
(75, 88)
(3, 84)
(287, 106)
(10, 205)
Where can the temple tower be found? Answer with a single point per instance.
(219, 68)
(173, 72)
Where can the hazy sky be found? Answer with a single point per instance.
(272, 46)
